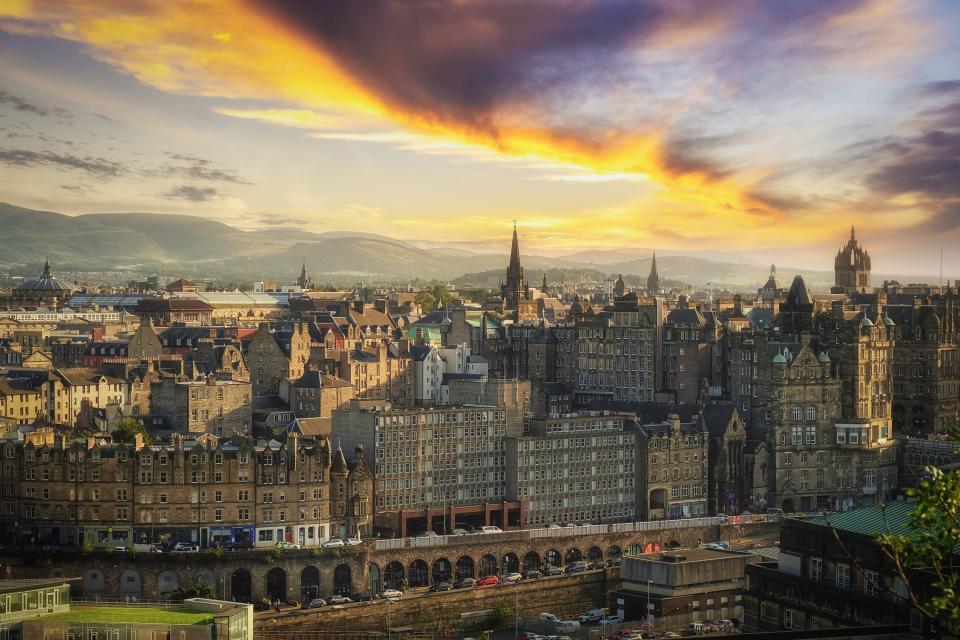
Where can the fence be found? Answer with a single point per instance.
(581, 530)
(151, 604)
(334, 635)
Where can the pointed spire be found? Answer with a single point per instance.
(773, 270)
(46, 268)
(339, 464)
(515, 251)
(653, 280)
(853, 235)
(544, 289)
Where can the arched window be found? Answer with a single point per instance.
(797, 413)
(811, 413)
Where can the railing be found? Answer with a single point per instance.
(151, 604)
(581, 530)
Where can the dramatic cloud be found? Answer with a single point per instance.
(191, 193)
(26, 106)
(99, 167)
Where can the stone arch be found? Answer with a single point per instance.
(572, 555)
(531, 561)
(466, 568)
(241, 586)
(511, 563)
(309, 583)
(488, 566)
(442, 570)
(131, 585)
(277, 584)
(652, 547)
(373, 577)
(209, 578)
(418, 575)
(614, 552)
(594, 554)
(93, 584)
(673, 545)
(658, 499)
(167, 582)
(343, 580)
(393, 575)
(634, 549)
(787, 505)
(553, 558)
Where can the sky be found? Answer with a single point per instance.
(760, 127)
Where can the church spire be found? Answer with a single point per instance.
(653, 280)
(544, 289)
(515, 251)
(302, 281)
(46, 268)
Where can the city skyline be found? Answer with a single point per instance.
(761, 129)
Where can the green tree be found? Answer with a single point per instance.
(426, 301)
(932, 543)
(441, 295)
(127, 430)
(196, 589)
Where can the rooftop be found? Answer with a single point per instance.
(13, 586)
(133, 614)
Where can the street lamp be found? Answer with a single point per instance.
(647, 613)
(516, 609)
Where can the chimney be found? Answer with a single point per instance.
(738, 304)
(419, 342)
(674, 421)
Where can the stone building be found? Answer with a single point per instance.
(203, 490)
(316, 395)
(609, 356)
(517, 299)
(673, 460)
(727, 489)
(71, 390)
(574, 468)
(690, 339)
(45, 291)
(168, 311)
(276, 356)
(21, 402)
(435, 466)
(217, 407)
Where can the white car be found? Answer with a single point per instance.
(392, 594)
(352, 542)
(333, 543)
(491, 529)
(513, 577)
(339, 600)
(186, 547)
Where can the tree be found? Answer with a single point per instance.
(127, 431)
(932, 543)
(426, 301)
(196, 589)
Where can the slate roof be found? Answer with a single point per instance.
(649, 412)
(891, 518)
(717, 417)
(172, 304)
(685, 316)
(799, 294)
(420, 353)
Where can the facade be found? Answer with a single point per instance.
(433, 465)
(73, 390)
(276, 356)
(205, 491)
(683, 587)
(217, 407)
(21, 402)
(674, 483)
(689, 341)
(45, 291)
(831, 574)
(168, 311)
(574, 468)
(316, 395)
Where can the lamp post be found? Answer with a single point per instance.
(647, 613)
(516, 609)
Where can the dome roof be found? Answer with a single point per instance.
(45, 282)
(888, 321)
(866, 322)
(779, 359)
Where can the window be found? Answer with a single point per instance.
(816, 569)
(843, 576)
(841, 436)
(871, 583)
(787, 458)
(788, 618)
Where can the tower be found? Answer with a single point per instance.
(619, 287)
(851, 269)
(514, 289)
(302, 280)
(653, 280)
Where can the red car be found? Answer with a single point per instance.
(488, 581)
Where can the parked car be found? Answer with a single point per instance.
(283, 545)
(440, 586)
(611, 619)
(316, 603)
(512, 577)
(490, 529)
(338, 599)
(575, 567)
(551, 570)
(185, 547)
(392, 594)
(549, 617)
(465, 583)
(458, 532)
(121, 549)
(352, 542)
(553, 526)
(333, 543)
(596, 565)
(428, 534)
(533, 574)
(594, 615)
(363, 597)
(613, 562)
(488, 581)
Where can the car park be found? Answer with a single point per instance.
(612, 619)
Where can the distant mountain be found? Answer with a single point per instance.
(194, 247)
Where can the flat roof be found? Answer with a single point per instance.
(690, 555)
(12, 586)
(133, 615)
